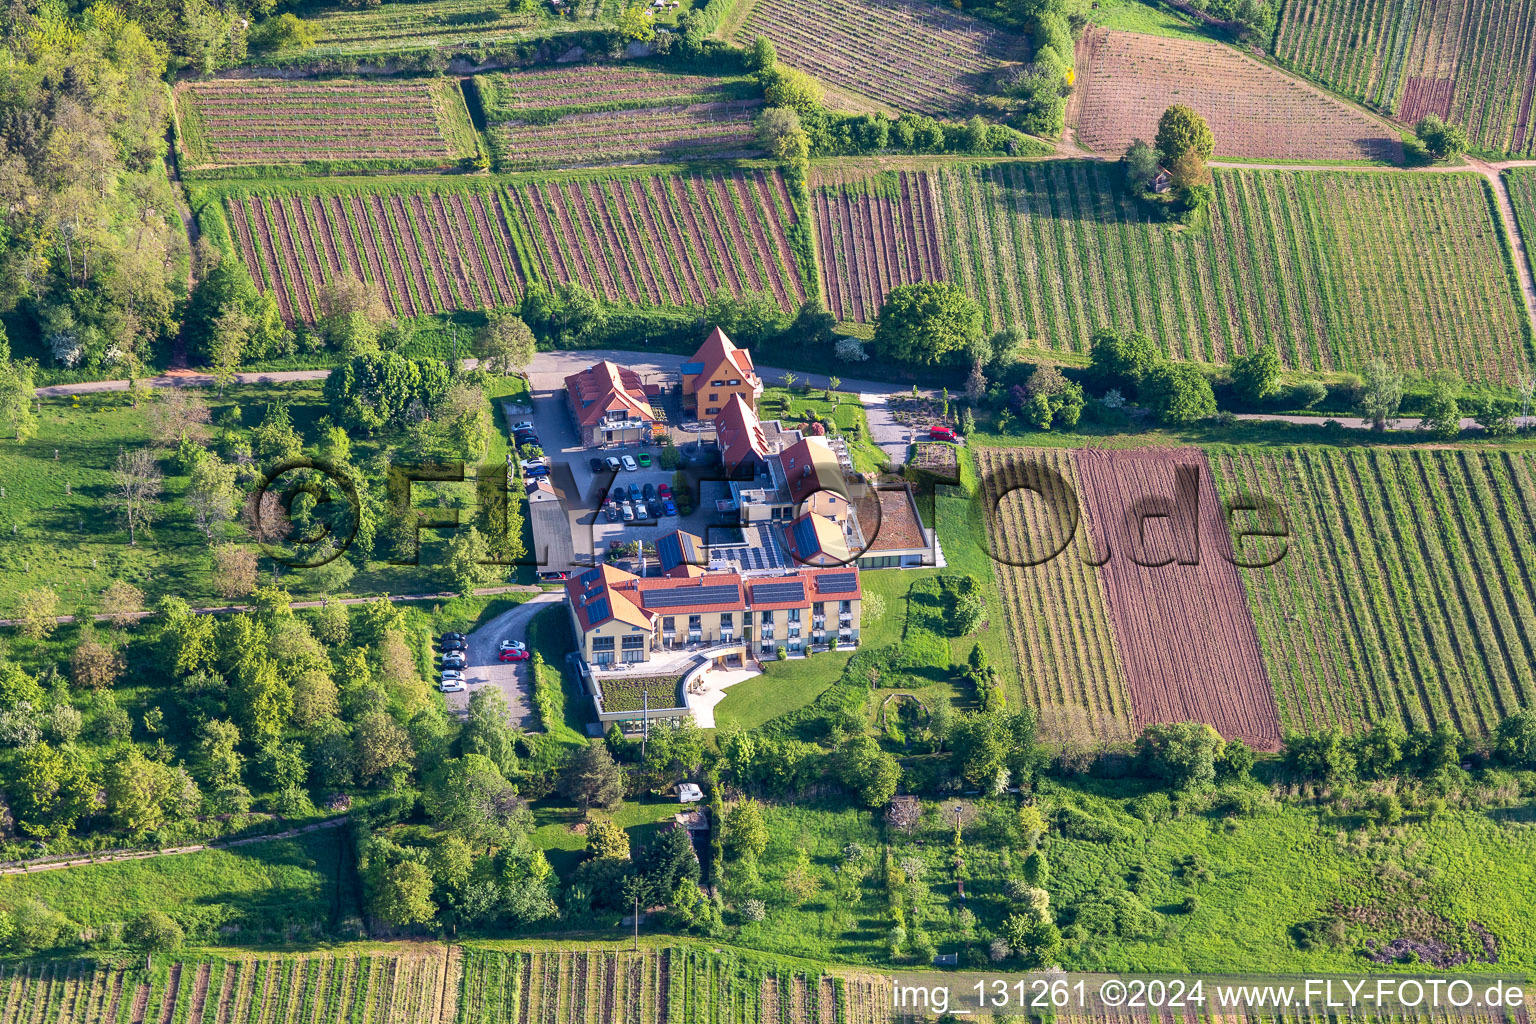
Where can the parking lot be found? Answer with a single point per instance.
(585, 489)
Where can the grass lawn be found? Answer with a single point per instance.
(550, 635)
(844, 418)
(791, 684)
(553, 820)
(1142, 16)
(264, 889)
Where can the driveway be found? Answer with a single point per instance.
(485, 665)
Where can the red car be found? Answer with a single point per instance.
(664, 490)
(942, 434)
(514, 655)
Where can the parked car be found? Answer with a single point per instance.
(535, 469)
(943, 434)
(629, 463)
(523, 434)
(613, 512)
(613, 463)
(635, 493)
(452, 682)
(668, 507)
(531, 464)
(453, 645)
(628, 511)
(595, 464)
(524, 425)
(513, 645)
(644, 458)
(455, 636)
(649, 490)
(657, 509)
(514, 655)
(454, 659)
(554, 575)
(665, 490)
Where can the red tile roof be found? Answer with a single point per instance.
(740, 434)
(607, 387)
(810, 465)
(718, 350)
(598, 596)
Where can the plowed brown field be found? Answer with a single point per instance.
(1185, 636)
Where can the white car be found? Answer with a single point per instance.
(513, 645)
(531, 464)
(453, 682)
(525, 425)
(629, 463)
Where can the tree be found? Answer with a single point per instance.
(789, 87)
(1381, 392)
(466, 563)
(121, 602)
(383, 748)
(1442, 141)
(235, 570)
(1179, 393)
(869, 771)
(486, 731)
(780, 133)
(669, 860)
(178, 414)
(746, 835)
(592, 777)
(155, 931)
(94, 664)
(53, 788)
(1183, 754)
(637, 23)
(505, 345)
(469, 796)
(403, 895)
(762, 56)
(38, 610)
(211, 494)
(1180, 130)
(1049, 398)
(1141, 166)
(1256, 374)
(231, 329)
(927, 323)
(135, 492)
(1442, 413)
(801, 883)
(564, 315)
(16, 395)
(1515, 741)
(1121, 360)
(606, 841)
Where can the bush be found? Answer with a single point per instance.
(754, 910)
(1308, 393)
(155, 932)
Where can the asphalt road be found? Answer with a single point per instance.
(486, 667)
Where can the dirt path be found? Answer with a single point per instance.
(193, 233)
(1512, 232)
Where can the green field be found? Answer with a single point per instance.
(1332, 267)
(1406, 593)
(260, 891)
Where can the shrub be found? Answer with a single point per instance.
(754, 910)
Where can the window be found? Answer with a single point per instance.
(844, 607)
(635, 643)
(716, 383)
(711, 410)
(727, 621)
(668, 624)
(819, 608)
(767, 619)
(602, 643)
(733, 383)
(794, 615)
(714, 398)
(695, 623)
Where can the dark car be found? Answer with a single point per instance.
(454, 636)
(554, 576)
(453, 659)
(656, 508)
(649, 491)
(612, 513)
(635, 493)
(536, 471)
(450, 644)
(595, 464)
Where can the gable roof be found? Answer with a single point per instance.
(607, 387)
(680, 549)
(718, 350)
(598, 596)
(816, 540)
(687, 595)
(740, 434)
(810, 465)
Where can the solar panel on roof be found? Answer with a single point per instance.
(590, 577)
(839, 583)
(805, 536)
(717, 594)
(792, 590)
(597, 609)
